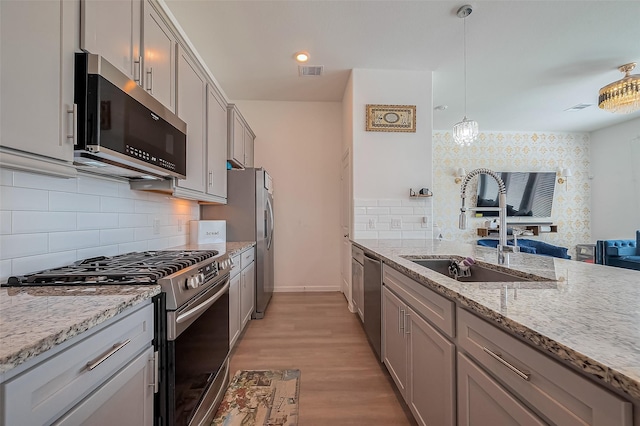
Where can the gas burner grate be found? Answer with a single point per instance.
(131, 268)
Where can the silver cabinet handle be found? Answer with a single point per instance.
(73, 135)
(150, 80)
(210, 178)
(401, 322)
(404, 321)
(154, 370)
(498, 357)
(138, 67)
(116, 347)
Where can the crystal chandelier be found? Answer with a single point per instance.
(466, 131)
(622, 96)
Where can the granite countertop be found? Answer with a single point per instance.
(230, 247)
(584, 314)
(35, 319)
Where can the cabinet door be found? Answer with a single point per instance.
(394, 343)
(235, 137)
(191, 108)
(234, 310)
(37, 44)
(126, 399)
(355, 276)
(248, 147)
(482, 401)
(216, 144)
(113, 29)
(431, 359)
(247, 292)
(159, 57)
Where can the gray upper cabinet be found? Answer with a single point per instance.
(159, 57)
(192, 92)
(241, 139)
(113, 29)
(216, 144)
(37, 105)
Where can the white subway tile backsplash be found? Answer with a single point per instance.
(178, 240)
(116, 236)
(363, 202)
(97, 251)
(361, 219)
(97, 186)
(377, 210)
(5, 222)
(70, 202)
(27, 265)
(6, 177)
(390, 203)
(359, 226)
(97, 220)
(12, 198)
(390, 235)
(72, 240)
(360, 210)
(145, 234)
(117, 205)
(414, 235)
(415, 202)
(367, 234)
(12, 246)
(134, 246)
(49, 183)
(401, 210)
(31, 222)
(5, 270)
(144, 206)
(134, 220)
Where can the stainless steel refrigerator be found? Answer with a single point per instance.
(249, 216)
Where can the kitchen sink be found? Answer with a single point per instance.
(478, 273)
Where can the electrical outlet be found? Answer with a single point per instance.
(372, 224)
(396, 223)
(179, 224)
(156, 226)
(424, 222)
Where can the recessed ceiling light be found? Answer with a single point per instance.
(302, 56)
(578, 107)
(440, 107)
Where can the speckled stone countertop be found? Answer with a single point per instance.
(35, 319)
(230, 247)
(586, 315)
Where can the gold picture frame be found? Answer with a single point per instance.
(391, 118)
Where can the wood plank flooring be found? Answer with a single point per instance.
(341, 382)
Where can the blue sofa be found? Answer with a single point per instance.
(531, 246)
(620, 253)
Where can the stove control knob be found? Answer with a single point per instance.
(200, 278)
(192, 282)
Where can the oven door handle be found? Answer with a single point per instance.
(202, 306)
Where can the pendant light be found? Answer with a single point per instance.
(466, 131)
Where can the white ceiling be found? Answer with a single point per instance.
(527, 61)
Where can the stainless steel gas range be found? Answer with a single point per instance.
(191, 324)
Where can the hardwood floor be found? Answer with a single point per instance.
(341, 381)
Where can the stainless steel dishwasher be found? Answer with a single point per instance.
(372, 302)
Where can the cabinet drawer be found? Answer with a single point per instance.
(48, 390)
(246, 258)
(235, 268)
(558, 393)
(358, 254)
(435, 308)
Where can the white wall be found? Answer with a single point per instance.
(387, 164)
(300, 145)
(615, 184)
(47, 222)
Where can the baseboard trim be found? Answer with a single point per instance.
(301, 289)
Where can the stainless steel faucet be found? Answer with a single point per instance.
(501, 209)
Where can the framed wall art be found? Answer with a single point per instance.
(391, 118)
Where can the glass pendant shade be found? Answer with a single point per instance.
(465, 132)
(622, 96)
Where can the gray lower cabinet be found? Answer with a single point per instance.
(106, 375)
(357, 280)
(247, 292)
(234, 302)
(242, 288)
(421, 362)
(482, 401)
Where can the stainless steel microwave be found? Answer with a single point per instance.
(121, 129)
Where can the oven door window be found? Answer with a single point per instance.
(199, 352)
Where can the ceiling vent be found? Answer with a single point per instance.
(308, 70)
(578, 107)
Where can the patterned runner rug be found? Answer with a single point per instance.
(260, 398)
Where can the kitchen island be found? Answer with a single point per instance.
(585, 316)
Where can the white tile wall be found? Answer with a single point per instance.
(412, 214)
(46, 222)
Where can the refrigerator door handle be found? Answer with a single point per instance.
(270, 208)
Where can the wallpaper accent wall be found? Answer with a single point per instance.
(511, 151)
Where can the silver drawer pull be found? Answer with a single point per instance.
(116, 347)
(498, 357)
